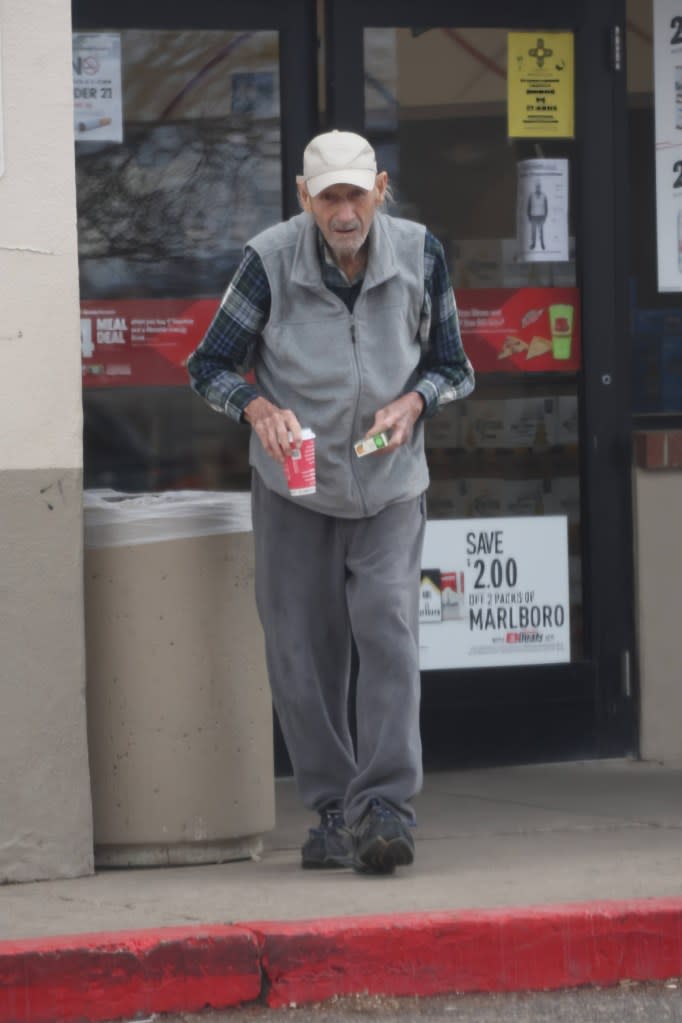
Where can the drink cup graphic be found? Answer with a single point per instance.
(299, 467)
(561, 327)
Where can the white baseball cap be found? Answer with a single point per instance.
(338, 158)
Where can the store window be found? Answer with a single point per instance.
(166, 200)
(655, 317)
(436, 111)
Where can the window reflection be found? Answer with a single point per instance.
(162, 220)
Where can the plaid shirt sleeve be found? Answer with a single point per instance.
(217, 367)
(446, 373)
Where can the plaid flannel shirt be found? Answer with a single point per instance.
(218, 365)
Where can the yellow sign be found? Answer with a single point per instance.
(540, 77)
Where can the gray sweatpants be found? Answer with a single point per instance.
(319, 580)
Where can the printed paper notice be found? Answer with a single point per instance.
(540, 89)
(542, 211)
(97, 103)
(494, 591)
(668, 117)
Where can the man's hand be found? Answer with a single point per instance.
(398, 420)
(274, 427)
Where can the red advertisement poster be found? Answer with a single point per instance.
(141, 342)
(521, 330)
(146, 342)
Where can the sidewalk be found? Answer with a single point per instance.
(524, 877)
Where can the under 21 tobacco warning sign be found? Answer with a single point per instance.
(97, 96)
(494, 592)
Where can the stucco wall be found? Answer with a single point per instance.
(658, 514)
(46, 819)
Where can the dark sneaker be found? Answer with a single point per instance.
(383, 841)
(330, 845)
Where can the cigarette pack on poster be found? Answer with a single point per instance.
(452, 596)
(430, 605)
(483, 425)
(369, 445)
(441, 596)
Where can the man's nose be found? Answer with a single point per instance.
(346, 213)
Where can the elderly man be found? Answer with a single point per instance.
(349, 321)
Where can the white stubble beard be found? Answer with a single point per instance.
(350, 246)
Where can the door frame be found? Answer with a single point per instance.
(603, 683)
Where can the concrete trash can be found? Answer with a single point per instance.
(179, 709)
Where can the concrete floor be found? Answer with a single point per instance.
(497, 837)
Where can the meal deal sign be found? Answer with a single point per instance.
(521, 330)
(494, 592)
(141, 342)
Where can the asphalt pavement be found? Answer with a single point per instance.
(628, 1003)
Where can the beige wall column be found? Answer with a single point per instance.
(658, 561)
(45, 808)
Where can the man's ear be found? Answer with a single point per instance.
(381, 185)
(303, 197)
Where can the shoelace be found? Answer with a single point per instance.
(380, 810)
(330, 820)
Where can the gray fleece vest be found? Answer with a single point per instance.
(334, 369)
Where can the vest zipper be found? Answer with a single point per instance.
(357, 403)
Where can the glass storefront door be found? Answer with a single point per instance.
(216, 105)
(519, 217)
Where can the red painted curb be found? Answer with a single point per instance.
(105, 976)
(95, 977)
(562, 946)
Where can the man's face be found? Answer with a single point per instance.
(344, 214)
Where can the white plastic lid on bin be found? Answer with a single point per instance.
(116, 519)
